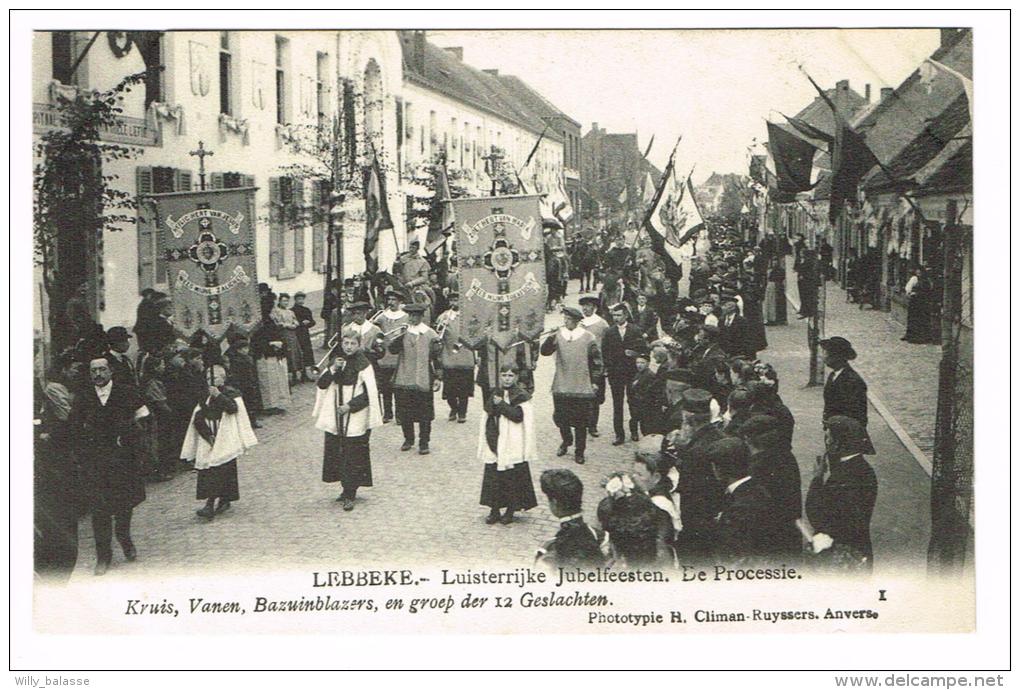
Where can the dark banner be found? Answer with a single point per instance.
(209, 245)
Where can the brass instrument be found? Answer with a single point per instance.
(541, 335)
(376, 315)
(333, 344)
(383, 337)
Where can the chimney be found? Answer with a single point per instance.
(843, 85)
(595, 127)
(946, 36)
(418, 51)
(867, 93)
(493, 72)
(456, 52)
(887, 91)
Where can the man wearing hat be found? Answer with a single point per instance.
(410, 268)
(366, 331)
(578, 371)
(646, 396)
(416, 378)
(597, 326)
(700, 492)
(675, 382)
(118, 342)
(392, 318)
(841, 498)
(772, 463)
(705, 353)
(845, 392)
(619, 345)
(457, 361)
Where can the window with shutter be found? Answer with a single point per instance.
(216, 181)
(146, 226)
(249, 180)
(275, 235)
(182, 181)
(299, 249)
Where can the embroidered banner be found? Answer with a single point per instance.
(502, 268)
(208, 241)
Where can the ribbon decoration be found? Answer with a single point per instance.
(177, 226)
(237, 277)
(530, 285)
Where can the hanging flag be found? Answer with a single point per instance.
(441, 218)
(377, 214)
(648, 188)
(561, 206)
(929, 68)
(793, 158)
(550, 221)
(819, 138)
(673, 219)
(851, 158)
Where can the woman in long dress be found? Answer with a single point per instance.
(219, 433)
(919, 294)
(506, 444)
(283, 317)
(271, 365)
(775, 294)
(347, 409)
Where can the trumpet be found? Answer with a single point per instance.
(541, 335)
(376, 315)
(382, 337)
(333, 343)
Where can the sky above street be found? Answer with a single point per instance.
(714, 87)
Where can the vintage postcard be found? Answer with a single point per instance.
(657, 331)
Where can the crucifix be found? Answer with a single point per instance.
(201, 153)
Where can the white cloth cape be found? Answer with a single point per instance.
(324, 412)
(516, 442)
(234, 437)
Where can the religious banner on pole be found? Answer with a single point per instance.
(502, 268)
(208, 242)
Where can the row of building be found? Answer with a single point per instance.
(246, 109)
(921, 131)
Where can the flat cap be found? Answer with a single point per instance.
(697, 400)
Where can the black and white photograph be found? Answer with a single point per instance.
(661, 330)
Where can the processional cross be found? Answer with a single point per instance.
(201, 152)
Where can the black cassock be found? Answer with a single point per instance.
(346, 459)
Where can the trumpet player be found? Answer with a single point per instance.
(416, 378)
(457, 361)
(364, 330)
(392, 318)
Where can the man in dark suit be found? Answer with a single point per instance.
(746, 525)
(104, 425)
(700, 492)
(771, 462)
(118, 343)
(619, 346)
(733, 335)
(646, 317)
(574, 545)
(845, 391)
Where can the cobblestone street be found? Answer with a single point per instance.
(424, 509)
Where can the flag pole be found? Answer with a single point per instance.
(533, 150)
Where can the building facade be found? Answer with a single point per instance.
(254, 99)
(615, 175)
(262, 105)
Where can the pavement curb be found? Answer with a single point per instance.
(905, 438)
